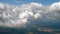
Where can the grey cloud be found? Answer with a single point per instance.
(19, 16)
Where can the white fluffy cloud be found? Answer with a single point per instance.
(19, 16)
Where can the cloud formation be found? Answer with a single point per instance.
(19, 16)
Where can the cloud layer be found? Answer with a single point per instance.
(19, 16)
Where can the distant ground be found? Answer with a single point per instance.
(31, 30)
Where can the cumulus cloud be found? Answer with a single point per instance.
(20, 16)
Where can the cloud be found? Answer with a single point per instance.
(18, 16)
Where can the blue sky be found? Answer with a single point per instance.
(18, 2)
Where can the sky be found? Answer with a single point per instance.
(19, 2)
